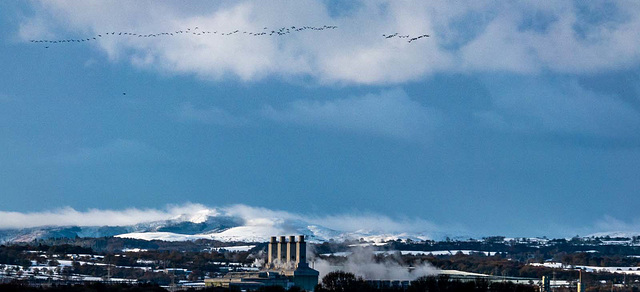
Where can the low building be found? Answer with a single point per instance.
(249, 280)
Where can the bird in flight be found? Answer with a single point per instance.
(197, 31)
(411, 39)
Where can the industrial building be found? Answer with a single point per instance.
(286, 266)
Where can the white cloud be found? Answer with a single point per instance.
(211, 115)
(510, 43)
(388, 114)
(257, 217)
(252, 216)
(465, 36)
(92, 217)
(374, 222)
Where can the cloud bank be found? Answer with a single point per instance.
(390, 114)
(252, 216)
(93, 217)
(262, 218)
(525, 37)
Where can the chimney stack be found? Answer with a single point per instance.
(272, 254)
(282, 250)
(283, 254)
(301, 251)
(291, 249)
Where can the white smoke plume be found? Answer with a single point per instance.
(362, 263)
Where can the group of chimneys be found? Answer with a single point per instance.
(285, 253)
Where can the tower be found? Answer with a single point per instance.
(282, 250)
(272, 251)
(291, 250)
(301, 252)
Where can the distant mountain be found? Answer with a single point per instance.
(30, 234)
(615, 234)
(203, 225)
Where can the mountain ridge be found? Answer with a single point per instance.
(206, 225)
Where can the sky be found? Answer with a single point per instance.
(511, 118)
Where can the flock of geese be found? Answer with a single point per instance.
(406, 36)
(196, 31)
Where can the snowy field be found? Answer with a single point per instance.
(235, 248)
(592, 269)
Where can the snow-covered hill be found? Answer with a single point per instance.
(615, 234)
(236, 223)
(262, 231)
(239, 223)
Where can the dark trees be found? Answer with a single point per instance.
(340, 281)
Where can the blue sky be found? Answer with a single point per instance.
(511, 118)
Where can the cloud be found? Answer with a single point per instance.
(354, 222)
(116, 151)
(522, 37)
(368, 222)
(212, 115)
(92, 217)
(511, 42)
(537, 106)
(251, 216)
(388, 114)
(609, 224)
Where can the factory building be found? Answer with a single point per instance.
(286, 266)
